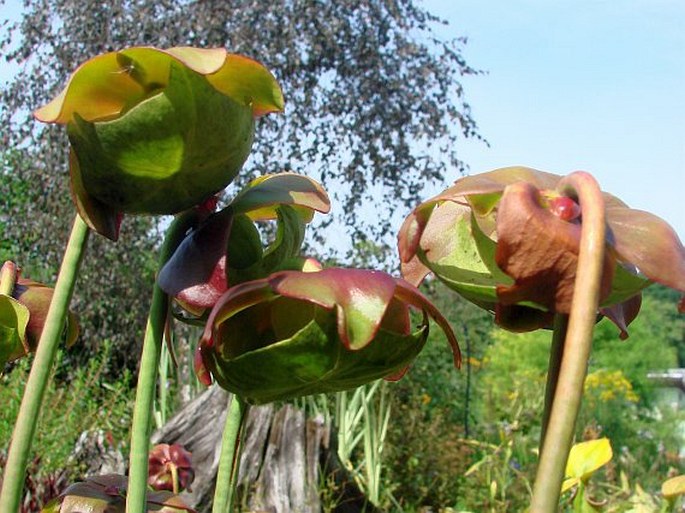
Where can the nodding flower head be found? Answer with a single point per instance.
(508, 240)
(298, 333)
(23, 310)
(158, 131)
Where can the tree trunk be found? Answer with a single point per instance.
(288, 464)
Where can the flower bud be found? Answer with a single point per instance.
(170, 468)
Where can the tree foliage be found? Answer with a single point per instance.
(374, 110)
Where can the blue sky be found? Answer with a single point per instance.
(597, 85)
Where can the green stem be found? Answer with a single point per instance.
(147, 375)
(555, 357)
(8, 278)
(25, 427)
(229, 460)
(569, 391)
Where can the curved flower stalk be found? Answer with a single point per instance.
(107, 494)
(297, 333)
(158, 131)
(508, 240)
(23, 308)
(226, 249)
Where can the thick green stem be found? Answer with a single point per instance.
(8, 278)
(147, 375)
(569, 391)
(555, 356)
(25, 427)
(229, 460)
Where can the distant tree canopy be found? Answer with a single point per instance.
(374, 109)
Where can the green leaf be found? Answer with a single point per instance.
(624, 285)
(673, 487)
(244, 247)
(586, 457)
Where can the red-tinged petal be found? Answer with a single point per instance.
(235, 300)
(204, 61)
(196, 272)
(163, 460)
(650, 244)
(396, 318)
(408, 243)
(412, 296)
(398, 375)
(414, 271)
(540, 251)
(360, 297)
(409, 236)
(248, 81)
(311, 265)
(201, 371)
(496, 181)
(108, 84)
(36, 297)
(623, 314)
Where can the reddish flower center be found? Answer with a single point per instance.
(564, 208)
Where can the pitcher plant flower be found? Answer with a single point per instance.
(298, 333)
(158, 131)
(170, 468)
(508, 240)
(107, 494)
(23, 307)
(227, 249)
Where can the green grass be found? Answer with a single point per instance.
(80, 402)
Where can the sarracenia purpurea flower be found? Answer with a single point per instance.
(298, 333)
(23, 308)
(508, 240)
(158, 131)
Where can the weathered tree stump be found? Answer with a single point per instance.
(286, 459)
